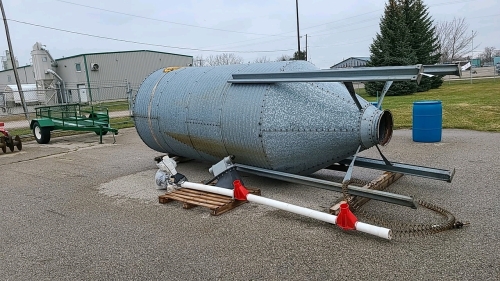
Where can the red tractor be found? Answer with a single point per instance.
(6, 140)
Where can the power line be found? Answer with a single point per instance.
(206, 50)
(217, 29)
(315, 35)
(364, 40)
(342, 44)
(323, 24)
(263, 42)
(143, 43)
(362, 21)
(323, 33)
(341, 19)
(234, 31)
(439, 4)
(319, 34)
(204, 27)
(166, 21)
(248, 40)
(485, 16)
(453, 2)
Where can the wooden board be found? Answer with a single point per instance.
(380, 183)
(190, 198)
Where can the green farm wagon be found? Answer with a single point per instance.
(73, 117)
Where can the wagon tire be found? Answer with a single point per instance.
(10, 143)
(18, 143)
(3, 144)
(42, 135)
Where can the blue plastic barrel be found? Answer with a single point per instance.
(427, 121)
(375, 103)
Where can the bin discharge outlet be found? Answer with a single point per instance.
(296, 127)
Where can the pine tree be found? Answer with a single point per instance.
(424, 40)
(392, 47)
(299, 56)
(406, 37)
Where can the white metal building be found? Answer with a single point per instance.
(31, 95)
(85, 77)
(352, 62)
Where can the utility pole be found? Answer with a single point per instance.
(494, 65)
(472, 56)
(12, 58)
(306, 47)
(298, 33)
(199, 62)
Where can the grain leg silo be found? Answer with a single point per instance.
(292, 127)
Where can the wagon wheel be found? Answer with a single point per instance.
(42, 134)
(10, 143)
(18, 143)
(3, 144)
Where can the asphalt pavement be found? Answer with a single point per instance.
(75, 209)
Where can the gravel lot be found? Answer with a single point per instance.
(78, 210)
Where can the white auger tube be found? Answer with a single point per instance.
(363, 227)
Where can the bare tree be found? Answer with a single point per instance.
(284, 58)
(454, 39)
(262, 59)
(488, 54)
(223, 59)
(199, 61)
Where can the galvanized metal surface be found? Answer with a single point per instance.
(329, 185)
(407, 169)
(360, 74)
(443, 69)
(292, 127)
(114, 68)
(25, 76)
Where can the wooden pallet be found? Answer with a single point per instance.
(380, 183)
(190, 198)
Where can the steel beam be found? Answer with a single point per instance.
(350, 89)
(442, 69)
(407, 169)
(384, 91)
(329, 185)
(360, 74)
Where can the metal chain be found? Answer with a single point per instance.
(402, 229)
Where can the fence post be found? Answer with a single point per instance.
(129, 97)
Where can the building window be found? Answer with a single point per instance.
(44, 59)
(78, 67)
(9, 78)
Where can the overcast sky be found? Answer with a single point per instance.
(251, 29)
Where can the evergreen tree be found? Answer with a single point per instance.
(424, 40)
(299, 56)
(406, 37)
(392, 47)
